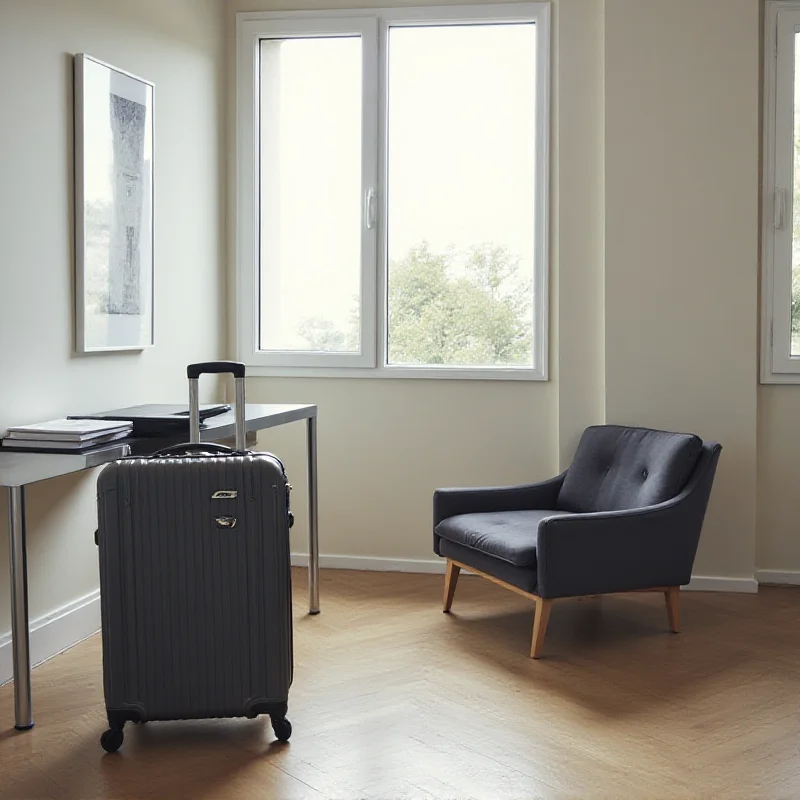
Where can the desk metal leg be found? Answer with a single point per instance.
(23, 711)
(313, 520)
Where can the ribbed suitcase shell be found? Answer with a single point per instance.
(196, 617)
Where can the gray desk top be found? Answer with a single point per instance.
(19, 469)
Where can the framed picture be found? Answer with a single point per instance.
(113, 208)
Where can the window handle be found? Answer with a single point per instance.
(369, 208)
(778, 208)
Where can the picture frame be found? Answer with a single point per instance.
(114, 194)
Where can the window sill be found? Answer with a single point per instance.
(416, 373)
(779, 378)
(775, 369)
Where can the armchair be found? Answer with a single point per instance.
(625, 516)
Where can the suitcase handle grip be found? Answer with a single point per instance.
(194, 371)
(236, 368)
(192, 447)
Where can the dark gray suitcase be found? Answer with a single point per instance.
(195, 581)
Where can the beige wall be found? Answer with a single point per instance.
(778, 544)
(178, 45)
(655, 188)
(778, 520)
(578, 255)
(681, 208)
(385, 445)
(654, 264)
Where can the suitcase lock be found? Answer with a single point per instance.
(226, 522)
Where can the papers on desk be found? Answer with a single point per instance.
(66, 434)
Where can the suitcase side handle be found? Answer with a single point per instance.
(235, 368)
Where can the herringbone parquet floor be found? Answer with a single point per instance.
(393, 699)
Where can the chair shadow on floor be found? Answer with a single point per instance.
(622, 639)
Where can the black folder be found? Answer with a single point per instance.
(156, 419)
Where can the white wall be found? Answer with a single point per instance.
(179, 46)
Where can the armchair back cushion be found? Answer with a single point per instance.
(617, 468)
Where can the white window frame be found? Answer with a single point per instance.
(373, 25)
(781, 23)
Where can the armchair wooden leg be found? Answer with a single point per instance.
(673, 598)
(450, 581)
(540, 620)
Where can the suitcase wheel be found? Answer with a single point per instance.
(282, 728)
(111, 740)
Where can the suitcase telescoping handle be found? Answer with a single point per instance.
(193, 372)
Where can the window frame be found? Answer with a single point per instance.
(781, 23)
(371, 362)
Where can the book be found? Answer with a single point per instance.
(66, 446)
(65, 437)
(68, 430)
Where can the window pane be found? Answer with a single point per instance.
(310, 242)
(461, 130)
(795, 347)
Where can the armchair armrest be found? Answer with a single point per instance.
(529, 496)
(617, 551)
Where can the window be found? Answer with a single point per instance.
(780, 356)
(392, 192)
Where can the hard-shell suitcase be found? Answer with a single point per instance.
(195, 581)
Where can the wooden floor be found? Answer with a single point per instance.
(393, 699)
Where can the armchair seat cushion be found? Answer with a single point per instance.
(506, 535)
(524, 578)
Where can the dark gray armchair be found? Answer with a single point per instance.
(625, 516)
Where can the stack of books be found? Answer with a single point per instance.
(68, 435)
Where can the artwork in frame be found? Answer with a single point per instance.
(113, 208)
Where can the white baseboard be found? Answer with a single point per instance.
(55, 632)
(719, 583)
(790, 577)
(699, 583)
(373, 564)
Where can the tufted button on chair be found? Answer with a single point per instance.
(625, 516)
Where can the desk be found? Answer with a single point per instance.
(18, 469)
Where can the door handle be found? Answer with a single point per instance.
(369, 208)
(778, 208)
